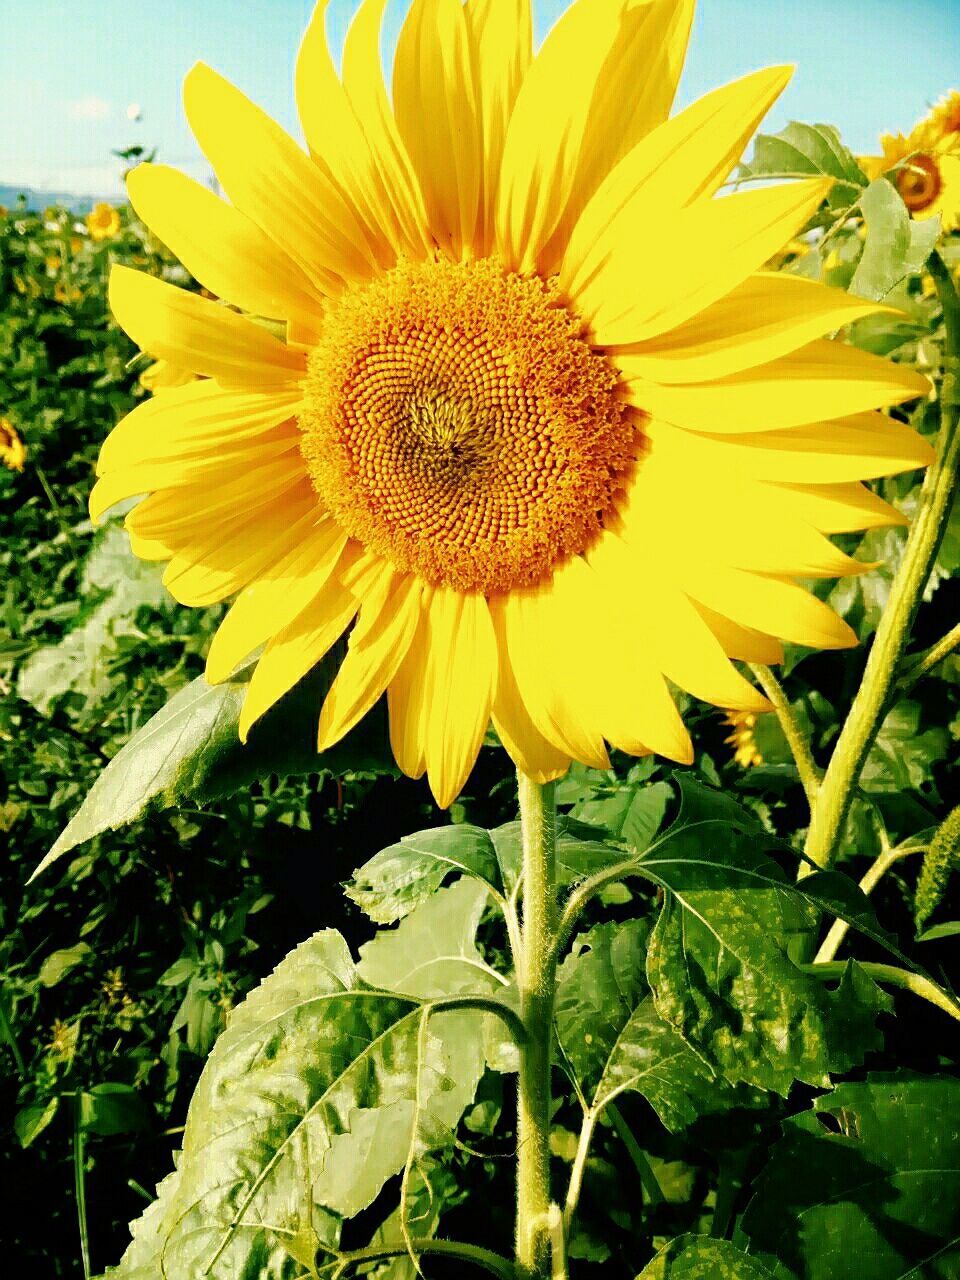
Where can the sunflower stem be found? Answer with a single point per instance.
(537, 980)
(796, 739)
(877, 689)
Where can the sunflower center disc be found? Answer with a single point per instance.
(920, 183)
(456, 422)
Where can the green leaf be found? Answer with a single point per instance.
(901, 756)
(112, 1108)
(191, 750)
(866, 1186)
(633, 812)
(719, 959)
(807, 150)
(59, 963)
(80, 661)
(896, 245)
(614, 1041)
(693, 1257)
(30, 1122)
(399, 878)
(313, 1070)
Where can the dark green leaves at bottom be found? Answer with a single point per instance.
(719, 960)
(866, 1186)
(314, 1072)
(613, 1039)
(702, 1258)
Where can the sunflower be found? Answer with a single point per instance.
(943, 121)
(489, 411)
(925, 170)
(162, 376)
(103, 221)
(13, 452)
(742, 738)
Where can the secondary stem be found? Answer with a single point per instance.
(796, 740)
(876, 872)
(537, 980)
(873, 699)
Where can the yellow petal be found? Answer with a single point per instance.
(230, 556)
(542, 657)
(206, 338)
(438, 116)
(822, 380)
(458, 689)
(392, 219)
(530, 751)
(765, 317)
(834, 508)
(605, 76)
(297, 649)
(667, 626)
(642, 279)
(863, 446)
(275, 598)
(501, 34)
(408, 719)
(182, 513)
(367, 94)
(739, 641)
(764, 603)
(226, 252)
(378, 644)
(200, 419)
(683, 159)
(268, 177)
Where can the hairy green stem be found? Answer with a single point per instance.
(875, 695)
(537, 980)
(80, 1185)
(926, 661)
(575, 1185)
(486, 1004)
(893, 976)
(877, 870)
(796, 739)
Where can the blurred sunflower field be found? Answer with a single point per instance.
(184, 879)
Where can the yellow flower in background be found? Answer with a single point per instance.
(76, 244)
(943, 122)
(533, 454)
(928, 177)
(64, 294)
(164, 376)
(13, 452)
(745, 751)
(103, 221)
(52, 263)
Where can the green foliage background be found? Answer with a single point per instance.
(120, 963)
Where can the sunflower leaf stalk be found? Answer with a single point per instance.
(884, 663)
(537, 982)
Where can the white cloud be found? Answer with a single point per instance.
(89, 108)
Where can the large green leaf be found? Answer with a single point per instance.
(613, 1039)
(318, 1091)
(866, 1186)
(399, 878)
(191, 750)
(702, 1258)
(897, 246)
(719, 959)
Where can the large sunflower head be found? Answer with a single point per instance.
(475, 400)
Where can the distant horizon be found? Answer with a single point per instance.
(72, 90)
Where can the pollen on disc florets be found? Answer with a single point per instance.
(456, 422)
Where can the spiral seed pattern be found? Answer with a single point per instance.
(456, 422)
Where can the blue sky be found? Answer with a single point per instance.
(69, 71)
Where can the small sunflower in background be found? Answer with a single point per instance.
(505, 429)
(745, 750)
(925, 163)
(103, 221)
(13, 452)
